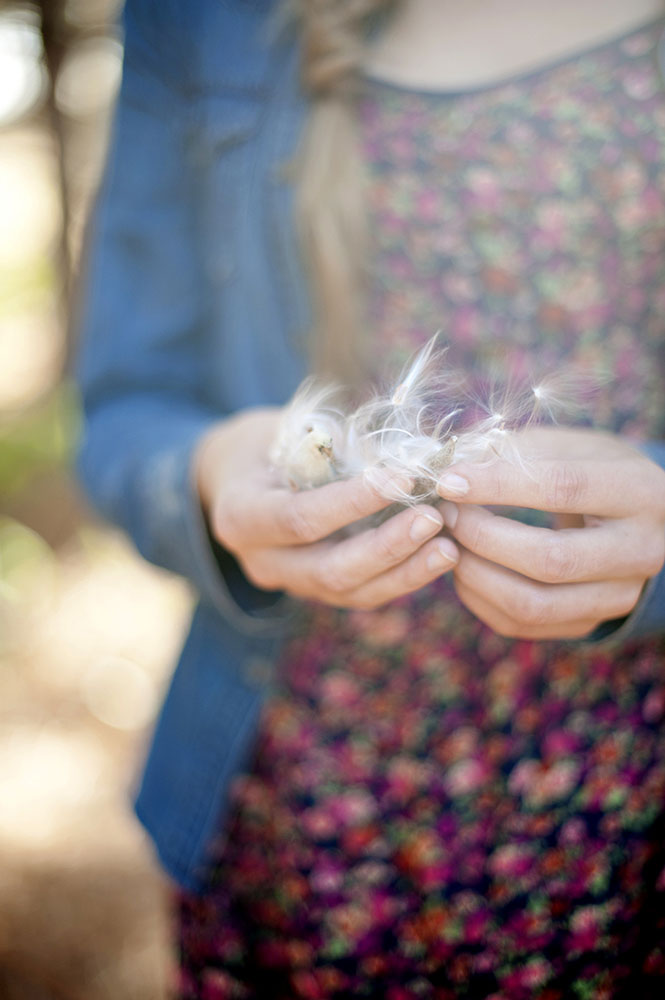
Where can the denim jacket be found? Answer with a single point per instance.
(194, 307)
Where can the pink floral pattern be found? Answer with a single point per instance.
(435, 811)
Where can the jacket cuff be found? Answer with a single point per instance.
(147, 487)
(218, 576)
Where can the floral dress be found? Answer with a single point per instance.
(435, 811)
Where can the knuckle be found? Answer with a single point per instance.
(331, 578)
(504, 479)
(476, 535)
(388, 549)
(297, 521)
(564, 485)
(530, 607)
(413, 577)
(359, 504)
(559, 563)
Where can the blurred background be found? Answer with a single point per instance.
(88, 632)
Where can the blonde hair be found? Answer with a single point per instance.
(330, 203)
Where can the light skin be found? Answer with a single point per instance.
(608, 498)
(448, 45)
(285, 540)
(522, 581)
(543, 583)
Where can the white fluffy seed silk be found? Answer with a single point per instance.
(424, 421)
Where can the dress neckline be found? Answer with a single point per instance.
(528, 74)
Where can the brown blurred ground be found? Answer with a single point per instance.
(88, 632)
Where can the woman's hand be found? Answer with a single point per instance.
(283, 539)
(538, 583)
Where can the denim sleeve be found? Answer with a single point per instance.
(648, 617)
(141, 368)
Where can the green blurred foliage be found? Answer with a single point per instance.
(40, 438)
(25, 285)
(43, 435)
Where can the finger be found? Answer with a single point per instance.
(504, 625)
(612, 550)
(427, 564)
(535, 605)
(600, 486)
(273, 517)
(355, 560)
(330, 570)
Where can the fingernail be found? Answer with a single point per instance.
(424, 526)
(453, 485)
(450, 513)
(442, 557)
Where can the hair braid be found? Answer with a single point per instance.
(331, 213)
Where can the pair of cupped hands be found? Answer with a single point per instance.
(608, 535)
